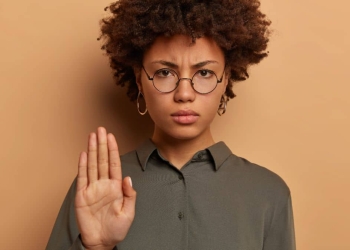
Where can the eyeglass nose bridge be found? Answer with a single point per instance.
(185, 78)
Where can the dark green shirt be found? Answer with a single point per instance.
(216, 201)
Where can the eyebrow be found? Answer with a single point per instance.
(174, 65)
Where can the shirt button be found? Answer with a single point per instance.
(180, 215)
(181, 177)
(200, 156)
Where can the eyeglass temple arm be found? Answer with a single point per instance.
(219, 81)
(149, 78)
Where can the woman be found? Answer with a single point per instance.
(181, 59)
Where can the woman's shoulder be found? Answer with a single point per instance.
(258, 177)
(227, 161)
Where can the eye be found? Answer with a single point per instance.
(164, 73)
(205, 73)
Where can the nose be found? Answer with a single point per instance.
(184, 91)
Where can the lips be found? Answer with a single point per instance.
(185, 116)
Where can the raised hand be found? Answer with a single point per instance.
(104, 202)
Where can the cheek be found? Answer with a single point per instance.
(156, 104)
(210, 105)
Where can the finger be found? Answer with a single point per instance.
(129, 197)
(82, 180)
(102, 153)
(115, 170)
(92, 159)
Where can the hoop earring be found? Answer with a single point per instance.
(138, 105)
(222, 106)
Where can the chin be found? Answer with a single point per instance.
(185, 133)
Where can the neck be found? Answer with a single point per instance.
(179, 151)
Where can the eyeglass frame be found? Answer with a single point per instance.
(184, 78)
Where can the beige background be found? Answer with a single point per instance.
(292, 115)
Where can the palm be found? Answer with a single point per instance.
(104, 203)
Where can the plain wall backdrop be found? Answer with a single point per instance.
(292, 115)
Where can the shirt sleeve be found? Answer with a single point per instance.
(65, 232)
(281, 235)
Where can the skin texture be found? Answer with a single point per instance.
(169, 135)
(104, 203)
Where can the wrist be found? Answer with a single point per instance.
(97, 247)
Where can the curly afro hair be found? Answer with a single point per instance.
(237, 26)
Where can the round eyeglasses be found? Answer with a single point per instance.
(166, 80)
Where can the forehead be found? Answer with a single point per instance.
(181, 49)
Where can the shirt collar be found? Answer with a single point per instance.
(218, 151)
(144, 152)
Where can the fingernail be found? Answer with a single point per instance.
(130, 181)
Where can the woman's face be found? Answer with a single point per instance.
(183, 113)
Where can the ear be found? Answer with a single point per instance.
(226, 79)
(137, 73)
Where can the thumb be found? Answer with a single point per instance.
(129, 197)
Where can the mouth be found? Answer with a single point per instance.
(185, 116)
